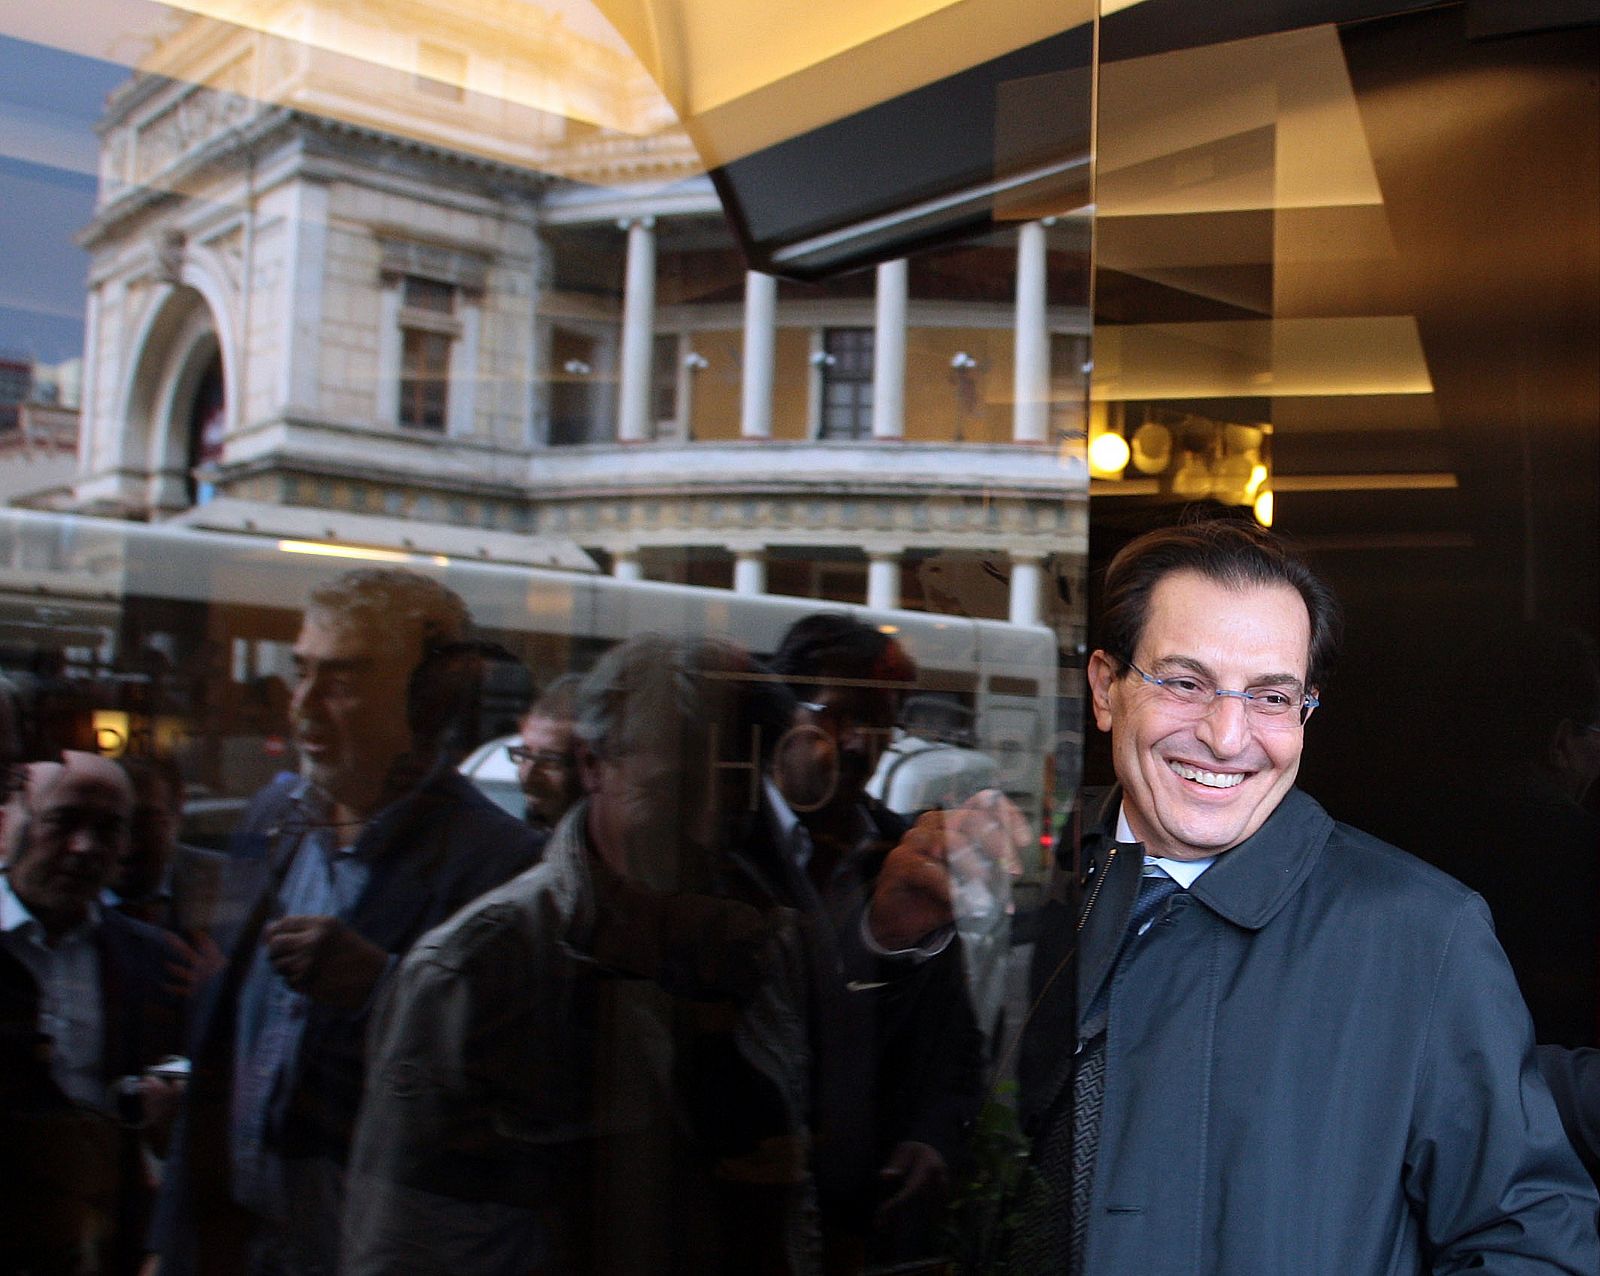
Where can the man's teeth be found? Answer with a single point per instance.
(1211, 779)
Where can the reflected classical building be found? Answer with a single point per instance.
(364, 276)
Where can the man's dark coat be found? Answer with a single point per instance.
(1317, 1061)
(432, 852)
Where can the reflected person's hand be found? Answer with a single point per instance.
(325, 959)
(192, 964)
(913, 896)
(918, 1170)
(162, 1097)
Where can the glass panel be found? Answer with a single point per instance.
(1315, 301)
(1347, 284)
(525, 634)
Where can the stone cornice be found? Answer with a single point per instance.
(891, 468)
(579, 206)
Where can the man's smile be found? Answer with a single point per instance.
(1211, 779)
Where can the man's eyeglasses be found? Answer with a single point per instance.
(1271, 706)
(521, 755)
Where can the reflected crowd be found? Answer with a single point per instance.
(707, 1007)
(724, 987)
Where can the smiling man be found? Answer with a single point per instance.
(1266, 1042)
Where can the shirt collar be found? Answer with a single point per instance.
(15, 916)
(792, 835)
(1184, 872)
(1250, 883)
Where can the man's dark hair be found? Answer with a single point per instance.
(832, 645)
(1230, 552)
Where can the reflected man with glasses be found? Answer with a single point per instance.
(546, 757)
(1263, 1041)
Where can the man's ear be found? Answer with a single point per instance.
(1102, 672)
(588, 767)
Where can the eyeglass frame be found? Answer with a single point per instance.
(521, 755)
(1308, 702)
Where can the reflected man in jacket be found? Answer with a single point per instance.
(376, 839)
(602, 1066)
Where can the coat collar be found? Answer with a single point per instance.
(1249, 884)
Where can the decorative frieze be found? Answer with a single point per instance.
(194, 120)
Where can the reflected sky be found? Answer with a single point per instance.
(49, 101)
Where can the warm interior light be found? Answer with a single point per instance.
(344, 551)
(1263, 508)
(110, 727)
(1258, 476)
(1152, 448)
(1108, 453)
(889, 629)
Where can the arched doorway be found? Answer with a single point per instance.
(178, 404)
(206, 418)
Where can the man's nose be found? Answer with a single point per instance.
(1225, 727)
(84, 840)
(304, 698)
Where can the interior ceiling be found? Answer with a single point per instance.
(741, 75)
(1242, 236)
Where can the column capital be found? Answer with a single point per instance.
(645, 222)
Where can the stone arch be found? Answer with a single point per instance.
(181, 349)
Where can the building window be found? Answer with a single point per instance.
(424, 379)
(846, 383)
(577, 401)
(664, 384)
(428, 329)
(16, 383)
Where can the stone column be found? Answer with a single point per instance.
(883, 580)
(1030, 419)
(760, 353)
(749, 571)
(305, 271)
(390, 349)
(1027, 579)
(889, 353)
(625, 565)
(638, 331)
(462, 406)
(94, 440)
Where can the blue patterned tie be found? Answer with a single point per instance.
(1155, 889)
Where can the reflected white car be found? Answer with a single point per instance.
(492, 770)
